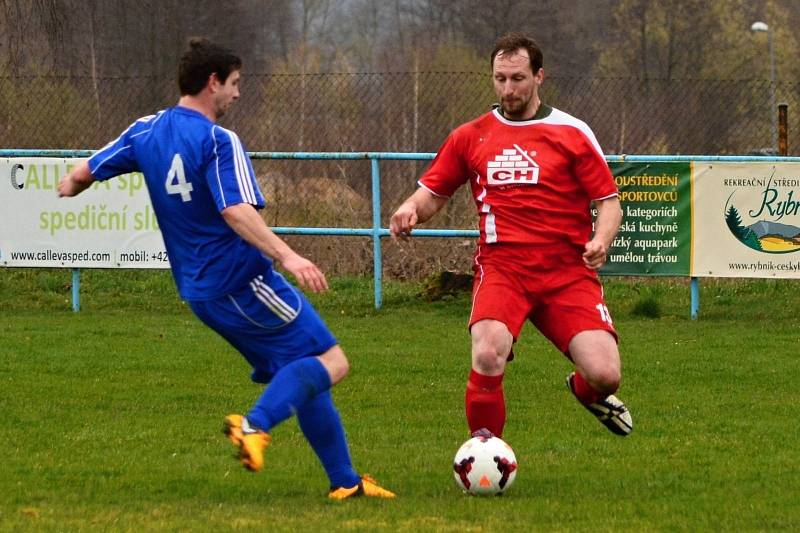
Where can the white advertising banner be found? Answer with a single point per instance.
(746, 220)
(110, 225)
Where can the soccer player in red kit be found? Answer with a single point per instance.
(534, 172)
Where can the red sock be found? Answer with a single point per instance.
(583, 391)
(485, 403)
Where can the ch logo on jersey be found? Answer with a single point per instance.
(513, 167)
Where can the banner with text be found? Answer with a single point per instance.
(111, 225)
(747, 220)
(721, 219)
(655, 235)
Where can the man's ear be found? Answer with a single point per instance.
(213, 82)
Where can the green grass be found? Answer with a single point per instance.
(111, 416)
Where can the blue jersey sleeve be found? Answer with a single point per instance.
(230, 175)
(117, 157)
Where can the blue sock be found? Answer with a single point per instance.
(292, 387)
(323, 429)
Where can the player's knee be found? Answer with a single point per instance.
(491, 344)
(488, 358)
(343, 368)
(336, 363)
(605, 380)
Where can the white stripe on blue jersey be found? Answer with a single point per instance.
(216, 165)
(147, 118)
(269, 297)
(243, 176)
(111, 155)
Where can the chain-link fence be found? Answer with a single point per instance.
(397, 112)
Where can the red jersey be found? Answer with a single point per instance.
(533, 181)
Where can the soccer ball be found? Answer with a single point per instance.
(485, 466)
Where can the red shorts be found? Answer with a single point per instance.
(551, 287)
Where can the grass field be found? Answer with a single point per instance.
(111, 416)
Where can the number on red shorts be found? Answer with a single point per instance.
(605, 316)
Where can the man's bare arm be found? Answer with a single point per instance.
(609, 217)
(248, 224)
(418, 208)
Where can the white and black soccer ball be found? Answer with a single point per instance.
(485, 466)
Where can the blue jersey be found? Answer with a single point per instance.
(193, 169)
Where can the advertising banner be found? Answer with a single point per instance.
(655, 235)
(746, 220)
(716, 219)
(110, 225)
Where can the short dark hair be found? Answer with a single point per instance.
(511, 42)
(202, 59)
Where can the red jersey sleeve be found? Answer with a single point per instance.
(591, 169)
(449, 170)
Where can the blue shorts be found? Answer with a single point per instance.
(269, 321)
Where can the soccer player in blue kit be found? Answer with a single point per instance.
(205, 196)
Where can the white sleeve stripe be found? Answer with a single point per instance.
(216, 164)
(110, 143)
(605, 197)
(243, 177)
(242, 172)
(431, 191)
(100, 164)
(147, 118)
(121, 135)
(251, 186)
(237, 165)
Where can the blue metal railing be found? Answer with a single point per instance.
(376, 231)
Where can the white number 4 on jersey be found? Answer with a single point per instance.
(176, 180)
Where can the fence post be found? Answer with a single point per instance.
(695, 297)
(76, 289)
(377, 256)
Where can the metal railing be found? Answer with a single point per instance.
(375, 231)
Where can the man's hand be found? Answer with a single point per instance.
(67, 186)
(606, 225)
(403, 221)
(248, 224)
(418, 208)
(595, 255)
(76, 181)
(307, 274)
